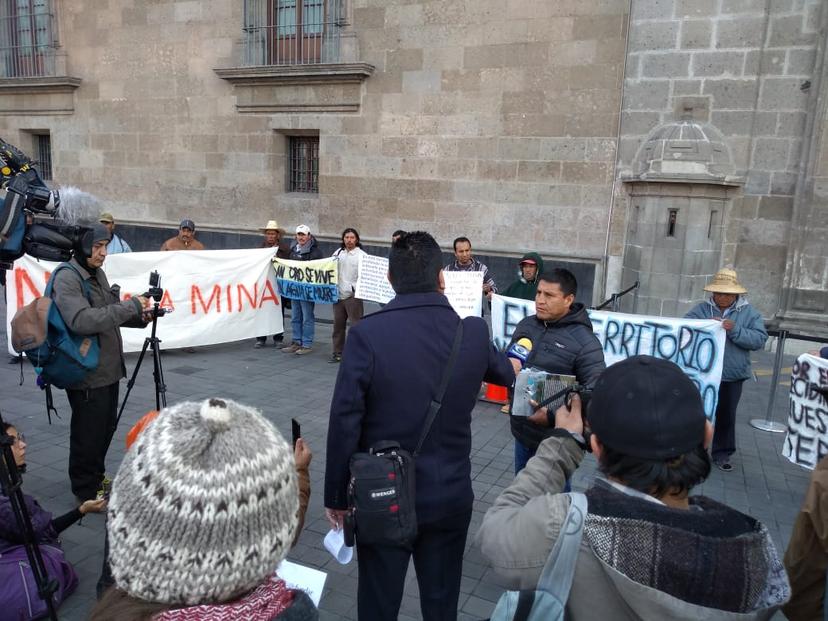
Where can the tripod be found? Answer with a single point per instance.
(152, 342)
(11, 485)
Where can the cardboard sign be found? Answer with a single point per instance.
(807, 439)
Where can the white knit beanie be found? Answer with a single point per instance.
(204, 505)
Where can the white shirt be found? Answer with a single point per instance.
(348, 263)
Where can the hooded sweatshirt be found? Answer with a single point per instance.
(525, 289)
(639, 559)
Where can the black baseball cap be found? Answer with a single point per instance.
(647, 407)
(187, 224)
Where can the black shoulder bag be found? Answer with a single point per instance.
(381, 490)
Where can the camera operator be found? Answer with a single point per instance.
(650, 550)
(558, 338)
(94, 400)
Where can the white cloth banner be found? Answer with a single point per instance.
(372, 282)
(695, 345)
(464, 291)
(807, 439)
(216, 295)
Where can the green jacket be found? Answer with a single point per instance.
(521, 288)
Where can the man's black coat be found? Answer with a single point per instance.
(391, 368)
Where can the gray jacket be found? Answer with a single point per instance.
(102, 317)
(519, 530)
(748, 334)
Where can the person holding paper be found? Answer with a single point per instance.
(558, 338)
(391, 369)
(745, 333)
(305, 248)
(465, 262)
(349, 307)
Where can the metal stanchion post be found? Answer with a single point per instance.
(767, 424)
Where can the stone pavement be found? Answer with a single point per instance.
(284, 386)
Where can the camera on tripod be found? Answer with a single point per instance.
(155, 292)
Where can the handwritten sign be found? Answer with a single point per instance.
(695, 345)
(464, 291)
(372, 283)
(807, 439)
(217, 295)
(311, 281)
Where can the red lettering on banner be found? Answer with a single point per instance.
(241, 289)
(229, 300)
(195, 292)
(269, 294)
(21, 276)
(166, 301)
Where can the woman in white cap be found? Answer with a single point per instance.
(745, 333)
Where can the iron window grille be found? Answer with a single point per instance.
(44, 156)
(27, 38)
(291, 32)
(303, 167)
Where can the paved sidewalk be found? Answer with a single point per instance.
(284, 386)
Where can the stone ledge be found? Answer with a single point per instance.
(38, 96)
(331, 87)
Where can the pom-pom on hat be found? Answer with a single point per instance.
(203, 507)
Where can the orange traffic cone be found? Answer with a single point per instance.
(495, 394)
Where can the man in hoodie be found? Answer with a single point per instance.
(560, 340)
(651, 551)
(745, 333)
(526, 286)
(305, 248)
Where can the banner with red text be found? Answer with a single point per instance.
(216, 296)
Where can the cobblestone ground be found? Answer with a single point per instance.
(283, 386)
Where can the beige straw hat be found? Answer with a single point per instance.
(271, 225)
(725, 282)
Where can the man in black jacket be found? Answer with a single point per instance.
(391, 369)
(560, 341)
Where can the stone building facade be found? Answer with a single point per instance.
(514, 122)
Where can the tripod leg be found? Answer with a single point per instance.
(158, 375)
(131, 381)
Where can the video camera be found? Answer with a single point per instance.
(28, 197)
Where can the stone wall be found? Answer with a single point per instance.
(746, 67)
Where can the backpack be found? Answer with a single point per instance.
(548, 600)
(38, 330)
(19, 598)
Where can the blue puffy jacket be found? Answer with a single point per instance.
(748, 334)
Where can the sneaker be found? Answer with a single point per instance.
(335, 359)
(258, 345)
(724, 466)
(291, 349)
(301, 351)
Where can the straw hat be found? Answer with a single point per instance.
(725, 282)
(271, 225)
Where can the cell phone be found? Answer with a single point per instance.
(296, 430)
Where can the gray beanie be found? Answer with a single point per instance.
(203, 507)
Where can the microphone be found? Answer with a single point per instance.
(520, 350)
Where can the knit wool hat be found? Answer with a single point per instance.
(647, 407)
(203, 507)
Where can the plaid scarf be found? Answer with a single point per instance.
(710, 555)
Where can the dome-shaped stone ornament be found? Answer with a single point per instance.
(684, 150)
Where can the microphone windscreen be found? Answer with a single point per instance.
(78, 207)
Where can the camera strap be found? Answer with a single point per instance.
(566, 391)
(437, 401)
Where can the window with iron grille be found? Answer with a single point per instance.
(303, 164)
(292, 32)
(43, 150)
(27, 38)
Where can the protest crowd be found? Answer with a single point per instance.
(210, 498)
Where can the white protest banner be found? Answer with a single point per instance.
(310, 281)
(807, 439)
(695, 345)
(372, 283)
(216, 295)
(464, 291)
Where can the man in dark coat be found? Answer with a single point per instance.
(302, 319)
(391, 368)
(273, 238)
(560, 341)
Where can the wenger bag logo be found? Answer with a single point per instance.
(383, 493)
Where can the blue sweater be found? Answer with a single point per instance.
(748, 334)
